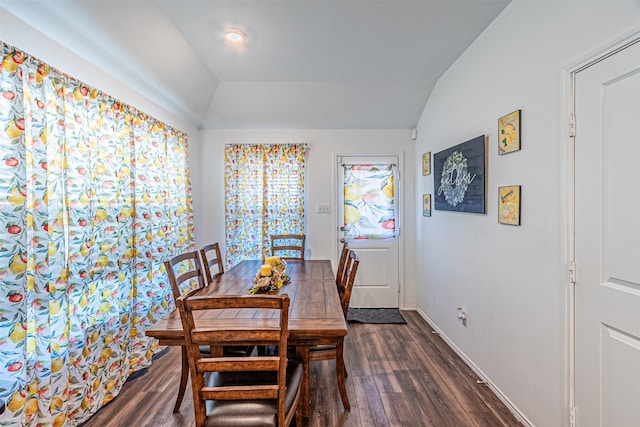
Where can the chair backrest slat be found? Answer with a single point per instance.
(211, 256)
(287, 243)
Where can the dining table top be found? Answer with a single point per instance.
(315, 311)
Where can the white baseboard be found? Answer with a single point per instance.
(513, 408)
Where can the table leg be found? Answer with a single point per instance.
(302, 351)
(184, 376)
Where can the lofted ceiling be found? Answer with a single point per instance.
(316, 64)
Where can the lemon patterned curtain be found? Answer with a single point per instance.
(94, 195)
(264, 195)
(369, 207)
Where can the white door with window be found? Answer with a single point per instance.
(607, 241)
(368, 222)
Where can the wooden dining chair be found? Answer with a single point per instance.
(241, 391)
(288, 244)
(335, 350)
(341, 264)
(188, 270)
(210, 256)
(214, 260)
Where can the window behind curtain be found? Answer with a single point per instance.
(264, 195)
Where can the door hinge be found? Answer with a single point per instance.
(572, 272)
(572, 416)
(572, 125)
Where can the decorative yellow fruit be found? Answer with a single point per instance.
(31, 345)
(56, 365)
(31, 407)
(86, 352)
(351, 215)
(59, 420)
(108, 339)
(110, 384)
(104, 307)
(16, 198)
(84, 250)
(508, 135)
(387, 190)
(101, 214)
(17, 402)
(31, 283)
(54, 307)
(12, 130)
(105, 247)
(56, 402)
(18, 333)
(94, 336)
(52, 249)
(352, 192)
(8, 64)
(96, 384)
(106, 353)
(102, 261)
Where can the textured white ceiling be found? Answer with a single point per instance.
(306, 64)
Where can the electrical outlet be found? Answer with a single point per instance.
(324, 208)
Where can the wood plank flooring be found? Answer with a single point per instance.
(399, 375)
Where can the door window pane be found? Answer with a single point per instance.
(369, 201)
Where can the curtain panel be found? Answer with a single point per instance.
(94, 196)
(264, 195)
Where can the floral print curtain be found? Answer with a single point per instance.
(369, 206)
(94, 196)
(264, 195)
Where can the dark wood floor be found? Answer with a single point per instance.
(399, 375)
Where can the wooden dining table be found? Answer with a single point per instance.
(315, 313)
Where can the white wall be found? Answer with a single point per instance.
(512, 281)
(16, 33)
(321, 186)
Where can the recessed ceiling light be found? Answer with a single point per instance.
(235, 36)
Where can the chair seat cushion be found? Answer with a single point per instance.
(246, 413)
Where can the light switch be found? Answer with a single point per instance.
(324, 208)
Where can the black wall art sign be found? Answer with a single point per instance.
(459, 181)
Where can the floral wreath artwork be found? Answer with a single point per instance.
(460, 178)
(454, 190)
(272, 276)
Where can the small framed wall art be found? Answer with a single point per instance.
(426, 205)
(426, 163)
(509, 205)
(509, 133)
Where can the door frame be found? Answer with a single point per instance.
(568, 139)
(399, 186)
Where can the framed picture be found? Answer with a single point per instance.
(509, 133)
(426, 205)
(509, 205)
(459, 177)
(426, 163)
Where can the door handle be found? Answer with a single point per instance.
(341, 228)
(342, 240)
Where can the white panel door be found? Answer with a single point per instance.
(377, 280)
(607, 238)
